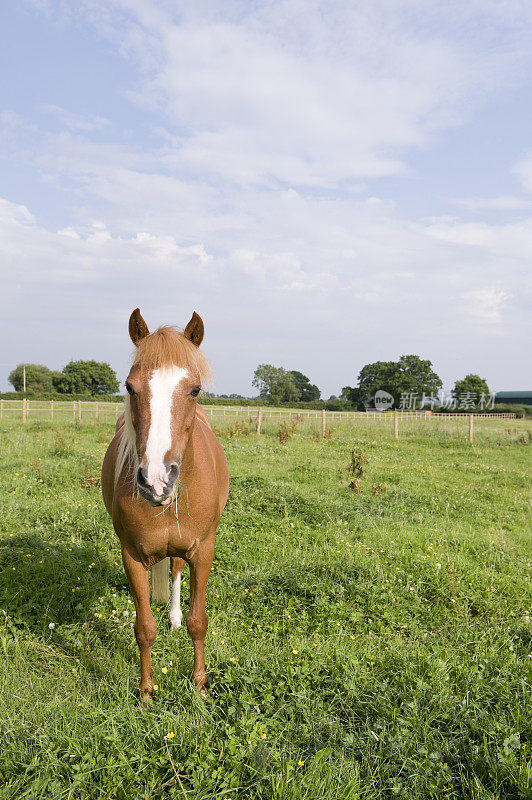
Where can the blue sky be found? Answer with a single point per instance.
(326, 183)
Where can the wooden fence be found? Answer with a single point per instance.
(25, 410)
(82, 409)
(62, 409)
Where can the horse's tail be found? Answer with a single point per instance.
(159, 581)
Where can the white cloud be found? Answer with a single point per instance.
(486, 304)
(91, 254)
(276, 280)
(310, 94)
(255, 199)
(502, 203)
(506, 245)
(524, 172)
(77, 122)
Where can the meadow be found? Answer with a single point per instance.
(363, 643)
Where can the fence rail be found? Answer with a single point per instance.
(80, 409)
(49, 408)
(77, 410)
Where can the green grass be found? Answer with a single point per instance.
(361, 645)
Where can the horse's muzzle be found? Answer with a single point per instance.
(151, 494)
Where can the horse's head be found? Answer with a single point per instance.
(162, 387)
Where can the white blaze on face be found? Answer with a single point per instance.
(163, 384)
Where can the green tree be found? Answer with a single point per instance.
(275, 384)
(87, 377)
(379, 375)
(410, 374)
(353, 397)
(335, 403)
(416, 375)
(306, 390)
(471, 383)
(39, 379)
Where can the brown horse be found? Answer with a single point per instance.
(165, 482)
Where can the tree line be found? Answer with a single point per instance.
(77, 377)
(410, 376)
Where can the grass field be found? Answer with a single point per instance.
(372, 644)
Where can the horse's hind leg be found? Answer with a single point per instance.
(174, 615)
(145, 625)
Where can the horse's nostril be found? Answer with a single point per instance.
(141, 479)
(160, 486)
(173, 473)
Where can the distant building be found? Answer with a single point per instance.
(514, 398)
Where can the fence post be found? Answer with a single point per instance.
(97, 411)
(395, 425)
(1, 409)
(323, 423)
(23, 409)
(79, 410)
(259, 421)
(74, 409)
(471, 429)
(51, 409)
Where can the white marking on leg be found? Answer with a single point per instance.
(174, 615)
(162, 384)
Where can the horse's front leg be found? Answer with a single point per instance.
(145, 625)
(200, 566)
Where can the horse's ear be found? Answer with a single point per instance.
(195, 330)
(137, 327)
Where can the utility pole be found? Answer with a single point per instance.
(24, 377)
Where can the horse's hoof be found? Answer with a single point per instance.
(202, 688)
(201, 682)
(146, 696)
(175, 621)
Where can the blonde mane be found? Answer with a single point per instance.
(165, 347)
(127, 449)
(168, 347)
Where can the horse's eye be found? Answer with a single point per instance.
(129, 388)
(195, 391)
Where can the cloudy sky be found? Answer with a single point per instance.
(326, 183)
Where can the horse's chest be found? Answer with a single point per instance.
(164, 535)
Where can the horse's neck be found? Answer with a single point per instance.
(202, 416)
(188, 461)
